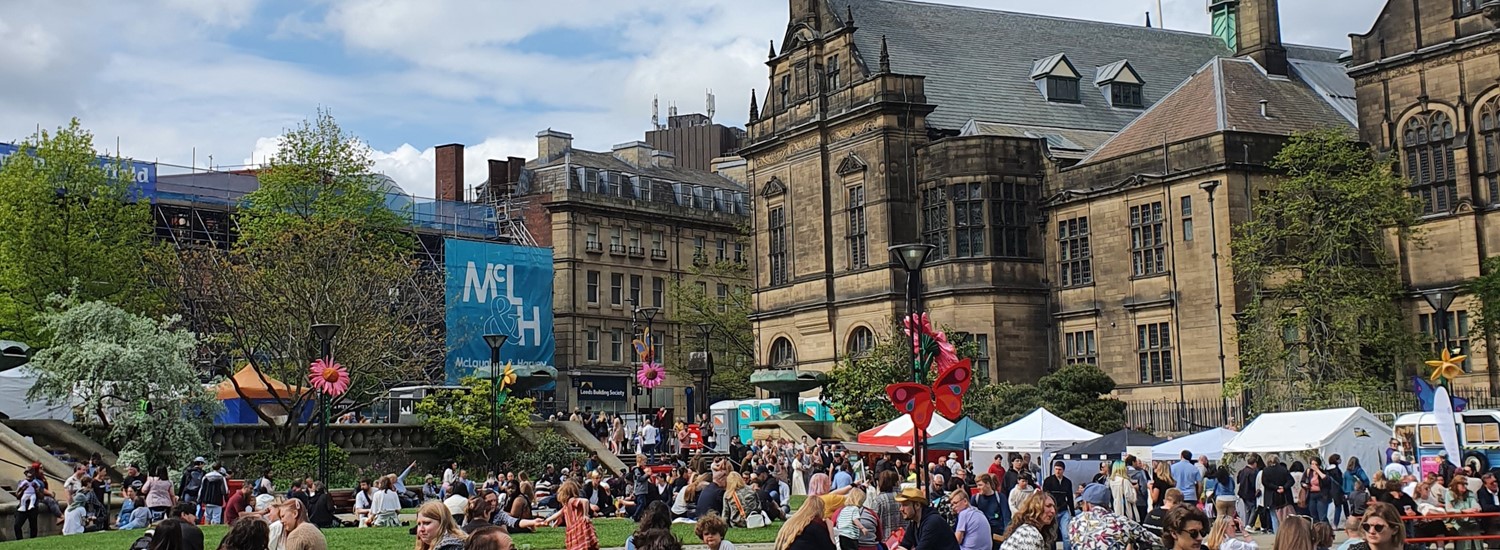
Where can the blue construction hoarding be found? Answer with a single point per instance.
(141, 174)
(497, 289)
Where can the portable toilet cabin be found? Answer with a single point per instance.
(766, 408)
(749, 411)
(725, 416)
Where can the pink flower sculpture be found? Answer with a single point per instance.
(329, 378)
(651, 375)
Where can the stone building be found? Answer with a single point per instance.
(624, 225)
(1428, 84)
(892, 121)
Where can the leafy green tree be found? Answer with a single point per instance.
(67, 221)
(695, 300)
(1077, 393)
(856, 387)
(318, 245)
(1486, 309)
(1323, 316)
(460, 420)
(129, 373)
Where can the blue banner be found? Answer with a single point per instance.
(497, 289)
(142, 174)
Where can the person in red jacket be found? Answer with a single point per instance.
(237, 503)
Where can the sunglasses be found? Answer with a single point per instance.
(1374, 527)
(1195, 534)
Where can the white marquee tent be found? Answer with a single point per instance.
(1039, 433)
(14, 384)
(1299, 435)
(1208, 443)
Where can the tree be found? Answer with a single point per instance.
(1486, 292)
(66, 220)
(317, 245)
(459, 420)
(696, 300)
(1075, 392)
(856, 387)
(1323, 318)
(131, 374)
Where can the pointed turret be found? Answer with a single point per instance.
(772, 55)
(885, 56)
(848, 15)
(754, 107)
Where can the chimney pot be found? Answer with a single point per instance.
(450, 172)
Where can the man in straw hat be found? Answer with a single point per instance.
(925, 529)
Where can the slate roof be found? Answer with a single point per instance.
(1225, 95)
(1061, 142)
(978, 62)
(607, 161)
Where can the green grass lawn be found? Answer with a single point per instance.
(612, 533)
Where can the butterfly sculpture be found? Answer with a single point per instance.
(930, 348)
(651, 373)
(1425, 392)
(644, 348)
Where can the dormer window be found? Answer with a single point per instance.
(1056, 79)
(1126, 95)
(1121, 85)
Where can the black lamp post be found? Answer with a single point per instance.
(1440, 300)
(706, 330)
(648, 314)
(495, 341)
(912, 257)
(325, 333)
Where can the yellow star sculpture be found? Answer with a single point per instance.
(509, 376)
(1447, 366)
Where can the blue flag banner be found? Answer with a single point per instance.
(141, 175)
(497, 289)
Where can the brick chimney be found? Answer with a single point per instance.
(551, 144)
(663, 159)
(499, 183)
(450, 172)
(634, 153)
(1259, 35)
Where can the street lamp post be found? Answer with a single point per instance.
(706, 330)
(324, 333)
(495, 341)
(648, 313)
(912, 257)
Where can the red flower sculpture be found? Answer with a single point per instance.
(329, 378)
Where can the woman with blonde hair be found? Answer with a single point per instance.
(436, 529)
(740, 501)
(1122, 491)
(1228, 534)
(1031, 525)
(1163, 481)
(1294, 533)
(806, 529)
(1460, 500)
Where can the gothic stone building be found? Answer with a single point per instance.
(892, 121)
(1427, 76)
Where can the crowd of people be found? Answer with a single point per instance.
(851, 504)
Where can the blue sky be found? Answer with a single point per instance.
(176, 80)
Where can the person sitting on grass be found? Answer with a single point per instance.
(711, 529)
(436, 528)
(656, 516)
(492, 537)
(247, 533)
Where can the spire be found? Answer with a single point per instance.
(849, 15)
(754, 109)
(885, 56)
(1148, 19)
(772, 55)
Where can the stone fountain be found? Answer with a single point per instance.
(787, 385)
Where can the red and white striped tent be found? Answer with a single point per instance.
(896, 435)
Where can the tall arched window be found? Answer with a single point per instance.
(1489, 140)
(1427, 146)
(861, 341)
(782, 354)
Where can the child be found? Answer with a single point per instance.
(1352, 528)
(574, 514)
(711, 529)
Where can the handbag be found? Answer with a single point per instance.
(752, 521)
(894, 541)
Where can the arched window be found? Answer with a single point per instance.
(861, 341)
(782, 354)
(1427, 147)
(1489, 139)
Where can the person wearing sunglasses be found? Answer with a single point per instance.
(1184, 528)
(1383, 530)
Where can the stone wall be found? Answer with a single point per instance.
(365, 443)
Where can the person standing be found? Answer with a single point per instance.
(1141, 481)
(192, 480)
(1061, 489)
(1097, 528)
(1316, 484)
(1122, 491)
(29, 493)
(925, 529)
(1246, 490)
(994, 506)
(1276, 482)
(1187, 476)
(213, 491)
(972, 528)
(1014, 474)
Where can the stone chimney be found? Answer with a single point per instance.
(450, 172)
(663, 159)
(1258, 32)
(634, 153)
(551, 144)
